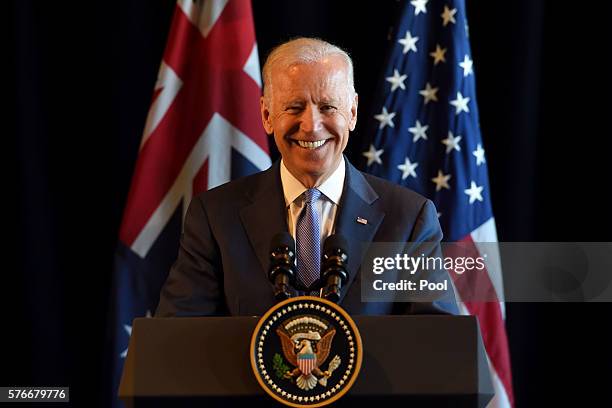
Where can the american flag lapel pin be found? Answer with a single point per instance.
(362, 221)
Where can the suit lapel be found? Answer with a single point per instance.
(266, 215)
(358, 201)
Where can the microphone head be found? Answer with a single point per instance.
(334, 266)
(282, 264)
(282, 239)
(335, 243)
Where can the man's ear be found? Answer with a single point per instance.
(353, 120)
(266, 120)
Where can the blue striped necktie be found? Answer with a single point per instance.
(308, 239)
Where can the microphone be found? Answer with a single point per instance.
(282, 265)
(334, 266)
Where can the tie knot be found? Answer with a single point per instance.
(311, 195)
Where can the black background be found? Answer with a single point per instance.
(79, 78)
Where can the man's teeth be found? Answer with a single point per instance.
(311, 145)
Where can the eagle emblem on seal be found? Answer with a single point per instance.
(306, 342)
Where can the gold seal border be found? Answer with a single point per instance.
(337, 308)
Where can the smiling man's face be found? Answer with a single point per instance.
(310, 111)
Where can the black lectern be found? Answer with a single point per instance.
(415, 361)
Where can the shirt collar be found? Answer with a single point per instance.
(331, 188)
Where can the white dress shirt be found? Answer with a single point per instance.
(327, 204)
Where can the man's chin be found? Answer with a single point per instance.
(313, 173)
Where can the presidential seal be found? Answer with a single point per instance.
(306, 352)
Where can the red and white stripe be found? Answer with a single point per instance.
(489, 310)
(306, 365)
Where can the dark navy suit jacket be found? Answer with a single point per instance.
(224, 251)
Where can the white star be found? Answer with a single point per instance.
(373, 155)
(467, 65)
(461, 103)
(385, 118)
(408, 169)
(409, 42)
(438, 54)
(475, 192)
(452, 143)
(479, 153)
(128, 330)
(418, 131)
(397, 80)
(429, 93)
(441, 181)
(448, 16)
(419, 6)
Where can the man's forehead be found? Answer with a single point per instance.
(311, 78)
(332, 67)
(321, 94)
(330, 62)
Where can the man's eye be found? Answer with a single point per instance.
(293, 109)
(328, 108)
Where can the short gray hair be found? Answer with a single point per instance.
(303, 51)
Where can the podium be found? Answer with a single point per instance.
(416, 361)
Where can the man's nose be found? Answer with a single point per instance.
(311, 120)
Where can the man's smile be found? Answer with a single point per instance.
(307, 144)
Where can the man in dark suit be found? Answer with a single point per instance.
(310, 106)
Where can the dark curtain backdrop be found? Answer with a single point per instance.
(79, 78)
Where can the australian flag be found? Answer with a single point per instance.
(203, 129)
(426, 136)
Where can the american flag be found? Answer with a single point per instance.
(203, 129)
(427, 138)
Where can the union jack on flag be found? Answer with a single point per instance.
(203, 129)
(426, 136)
